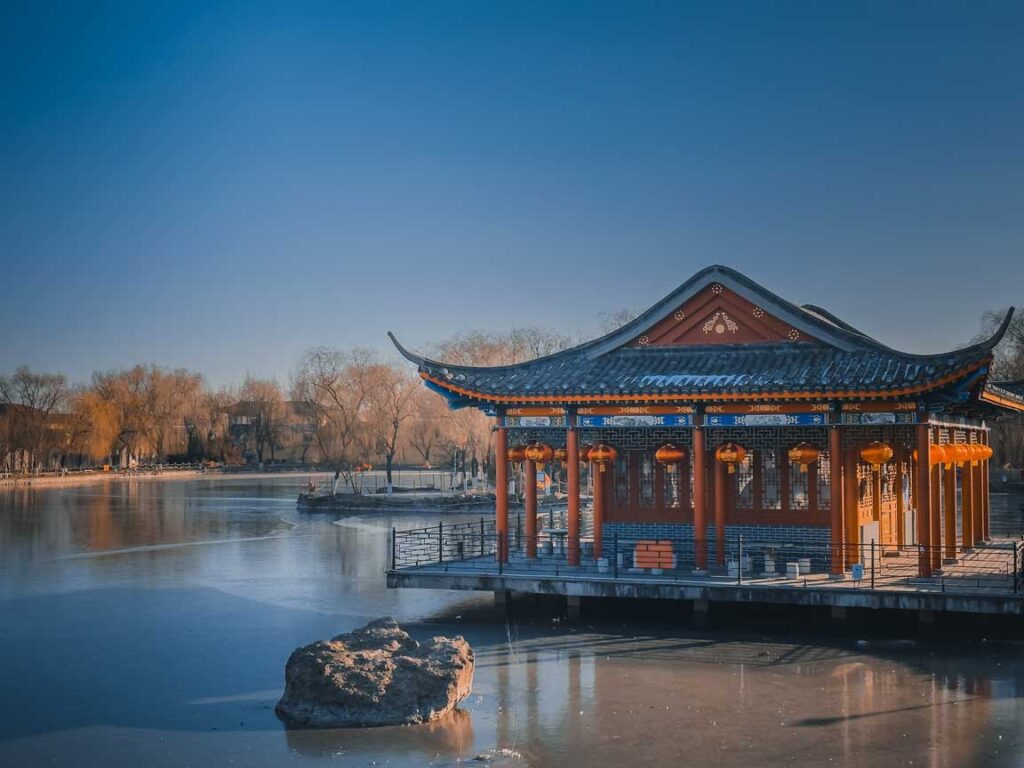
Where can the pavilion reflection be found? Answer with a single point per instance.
(602, 704)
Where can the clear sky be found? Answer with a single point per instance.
(219, 186)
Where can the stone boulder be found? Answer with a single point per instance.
(376, 675)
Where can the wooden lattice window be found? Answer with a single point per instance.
(770, 479)
(672, 499)
(622, 480)
(889, 489)
(865, 488)
(745, 481)
(646, 481)
(799, 488)
(824, 481)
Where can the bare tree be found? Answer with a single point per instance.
(1009, 353)
(429, 417)
(262, 402)
(169, 394)
(31, 398)
(390, 401)
(1007, 432)
(335, 384)
(612, 321)
(530, 343)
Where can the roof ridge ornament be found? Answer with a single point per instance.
(720, 323)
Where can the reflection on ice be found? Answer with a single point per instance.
(175, 650)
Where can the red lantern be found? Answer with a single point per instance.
(876, 454)
(803, 454)
(731, 454)
(539, 453)
(561, 455)
(603, 455)
(517, 453)
(585, 452)
(670, 456)
(957, 453)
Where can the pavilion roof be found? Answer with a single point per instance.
(791, 352)
(1008, 394)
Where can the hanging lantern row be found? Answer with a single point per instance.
(803, 454)
(670, 456)
(731, 454)
(876, 454)
(960, 454)
(602, 455)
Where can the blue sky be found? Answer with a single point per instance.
(218, 186)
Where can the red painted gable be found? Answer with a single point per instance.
(717, 315)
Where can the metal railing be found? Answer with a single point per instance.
(472, 548)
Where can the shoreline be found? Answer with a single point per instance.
(50, 481)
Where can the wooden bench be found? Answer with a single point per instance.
(653, 554)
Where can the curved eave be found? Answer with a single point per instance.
(789, 395)
(618, 338)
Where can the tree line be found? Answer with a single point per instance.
(342, 409)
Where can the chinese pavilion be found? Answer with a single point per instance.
(726, 410)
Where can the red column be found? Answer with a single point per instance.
(572, 450)
(922, 481)
(967, 495)
(700, 498)
(501, 492)
(851, 511)
(900, 509)
(935, 529)
(949, 510)
(980, 511)
(530, 502)
(985, 517)
(835, 463)
(600, 485)
(721, 494)
(782, 462)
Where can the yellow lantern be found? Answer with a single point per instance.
(731, 454)
(803, 454)
(603, 455)
(539, 453)
(670, 456)
(876, 454)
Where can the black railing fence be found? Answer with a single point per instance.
(471, 547)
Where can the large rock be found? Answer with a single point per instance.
(376, 675)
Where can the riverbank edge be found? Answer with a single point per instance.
(96, 477)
